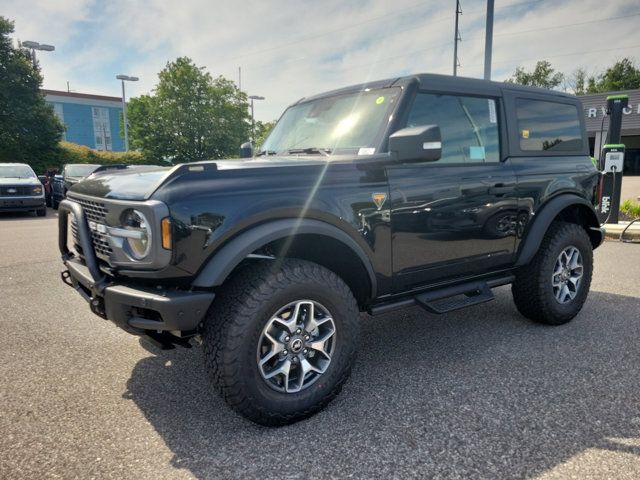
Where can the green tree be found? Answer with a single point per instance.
(190, 116)
(29, 130)
(543, 75)
(577, 81)
(263, 129)
(623, 75)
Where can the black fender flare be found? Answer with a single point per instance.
(543, 218)
(222, 263)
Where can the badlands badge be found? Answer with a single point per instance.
(378, 199)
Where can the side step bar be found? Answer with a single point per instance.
(448, 299)
(455, 298)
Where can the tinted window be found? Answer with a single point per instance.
(548, 126)
(468, 125)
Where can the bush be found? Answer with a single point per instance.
(68, 152)
(630, 208)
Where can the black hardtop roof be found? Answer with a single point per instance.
(445, 83)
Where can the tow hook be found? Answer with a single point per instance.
(66, 277)
(97, 306)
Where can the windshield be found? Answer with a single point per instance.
(16, 171)
(349, 121)
(79, 170)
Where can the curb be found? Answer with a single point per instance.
(613, 231)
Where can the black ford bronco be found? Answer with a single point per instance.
(424, 190)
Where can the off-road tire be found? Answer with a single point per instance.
(234, 324)
(532, 289)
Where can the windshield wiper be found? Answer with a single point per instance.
(311, 150)
(266, 152)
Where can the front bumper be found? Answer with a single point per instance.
(135, 309)
(21, 204)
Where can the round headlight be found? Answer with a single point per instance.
(139, 243)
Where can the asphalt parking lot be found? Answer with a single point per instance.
(481, 393)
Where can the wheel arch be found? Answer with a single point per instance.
(306, 239)
(567, 207)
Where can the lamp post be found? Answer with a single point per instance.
(126, 78)
(33, 46)
(253, 122)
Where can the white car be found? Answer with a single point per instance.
(20, 189)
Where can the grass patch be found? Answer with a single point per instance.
(631, 208)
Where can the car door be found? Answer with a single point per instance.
(457, 216)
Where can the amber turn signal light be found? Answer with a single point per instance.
(166, 233)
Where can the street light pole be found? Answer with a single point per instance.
(253, 122)
(124, 78)
(33, 46)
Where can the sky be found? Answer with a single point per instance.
(290, 49)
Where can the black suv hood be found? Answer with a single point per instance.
(138, 184)
(134, 184)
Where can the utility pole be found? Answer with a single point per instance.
(456, 39)
(239, 78)
(488, 41)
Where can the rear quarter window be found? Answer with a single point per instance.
(548, 126)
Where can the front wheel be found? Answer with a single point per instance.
(553, 287)
(280, 341)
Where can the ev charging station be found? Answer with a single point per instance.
(612, 161)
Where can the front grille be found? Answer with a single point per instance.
(15, 190)
(94, 212)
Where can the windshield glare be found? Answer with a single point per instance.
(16, 171)
(79, 170)
(349, 121)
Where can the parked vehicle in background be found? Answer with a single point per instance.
(21, 190)
(71, 174)
(425, 190)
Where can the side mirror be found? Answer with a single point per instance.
(246, 150)
(416, 144)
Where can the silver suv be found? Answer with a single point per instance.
(20, 189)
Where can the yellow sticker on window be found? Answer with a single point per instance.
(525, 133)
(379, 100)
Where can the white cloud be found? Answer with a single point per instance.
(290, 49)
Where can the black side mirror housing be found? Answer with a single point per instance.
(416, 144)
(246, 150)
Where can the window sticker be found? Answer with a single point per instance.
(477, 153)
(366, 151)
(525, 133)
(492, 111)
(380, 100)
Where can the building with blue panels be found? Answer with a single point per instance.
(91, 120)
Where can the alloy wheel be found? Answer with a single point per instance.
(296, 346)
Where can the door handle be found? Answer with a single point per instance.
(499, 189)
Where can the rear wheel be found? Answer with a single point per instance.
(280, 343)
(553, 287)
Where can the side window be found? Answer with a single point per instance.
(469, 126)
(548, 126)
